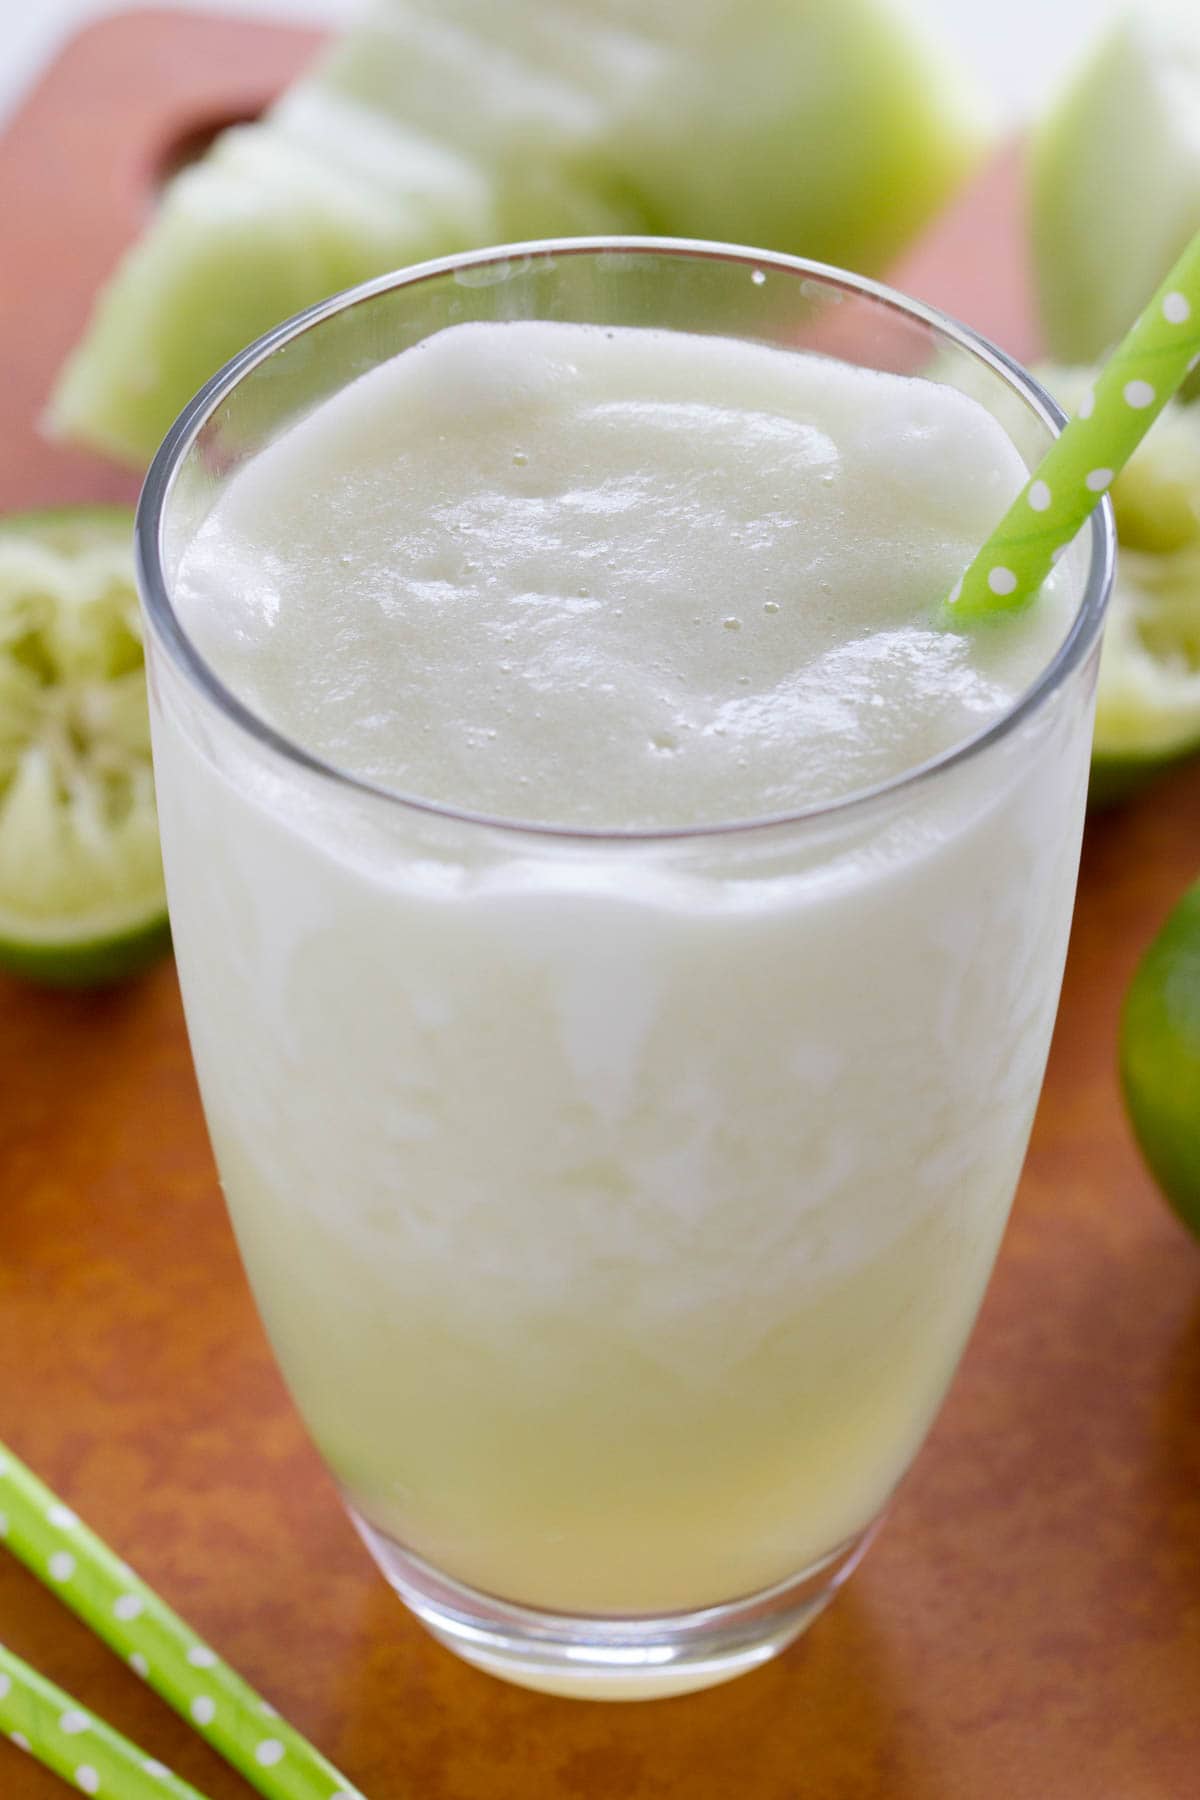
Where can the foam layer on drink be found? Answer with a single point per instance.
(616, 577)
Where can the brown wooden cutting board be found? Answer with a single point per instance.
(1029, 1622)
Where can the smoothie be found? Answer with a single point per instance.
(618, 1205)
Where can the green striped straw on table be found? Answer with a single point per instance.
(1142, 374)
(118, 1606)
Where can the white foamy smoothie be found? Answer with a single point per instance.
(617, 1208)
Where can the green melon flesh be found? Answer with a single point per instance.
(273, 219)
(1115, 179)
(827, 130)
(824, 127)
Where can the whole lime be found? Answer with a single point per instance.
(1160, 1057)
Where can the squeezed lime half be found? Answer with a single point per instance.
(1148, 701)
(1148, 698)
(81, 885)
(1160, 1057)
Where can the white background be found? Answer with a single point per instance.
(1017, 48)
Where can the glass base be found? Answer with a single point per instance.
(639, 1658)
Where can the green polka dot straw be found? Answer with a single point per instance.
(157, 1645)
(42, 1720)
(1133, 387)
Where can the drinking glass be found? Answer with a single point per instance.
(618, 1203)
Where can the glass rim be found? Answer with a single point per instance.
(180, 439)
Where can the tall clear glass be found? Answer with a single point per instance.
(618, 1204)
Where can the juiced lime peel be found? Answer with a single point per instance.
(81, 886)
(1148, 698)
(826, 127)
(1160, 1057)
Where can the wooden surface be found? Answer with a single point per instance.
(1029, 1622)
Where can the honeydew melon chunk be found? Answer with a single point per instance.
(265, 225)
(408, 165)
(529, 90)
(384, 156)
(1115, 179)
(825, 127)
(829, 130)
(504, 82)
(821, 126)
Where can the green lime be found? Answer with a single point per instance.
(1160, 1057)
(1148, 695)
(81, 885)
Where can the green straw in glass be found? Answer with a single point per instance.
(1144, 371)
(43, 1720)
(156, 1643)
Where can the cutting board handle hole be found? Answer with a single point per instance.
(190, 144)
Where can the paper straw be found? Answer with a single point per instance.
(156, 1643)
(1131, 390)
(43, 1720)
